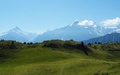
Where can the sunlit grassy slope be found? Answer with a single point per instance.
(60, 61)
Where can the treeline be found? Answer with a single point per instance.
(9, 47)
(9, 44)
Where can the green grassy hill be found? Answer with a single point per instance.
(34, 59)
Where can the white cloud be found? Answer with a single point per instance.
(86, 23)
(111, 23)
(95, 26)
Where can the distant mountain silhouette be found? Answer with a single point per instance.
(113, 37)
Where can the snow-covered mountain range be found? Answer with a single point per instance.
(75, 30)
(18, 35)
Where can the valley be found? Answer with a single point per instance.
(59, 37)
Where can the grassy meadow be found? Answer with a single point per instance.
(34, 59)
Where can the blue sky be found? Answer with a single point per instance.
(41, 15)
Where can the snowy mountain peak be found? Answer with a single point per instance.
(74, 23)
(18, 35)
(16, 29)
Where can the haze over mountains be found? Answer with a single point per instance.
(75, 31)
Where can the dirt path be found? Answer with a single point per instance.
(62, 69)
(102, 69)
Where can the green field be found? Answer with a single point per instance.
(37, 60)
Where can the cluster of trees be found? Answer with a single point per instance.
(69, 44)
(9, 44)
(8, 48)
(109, 46)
